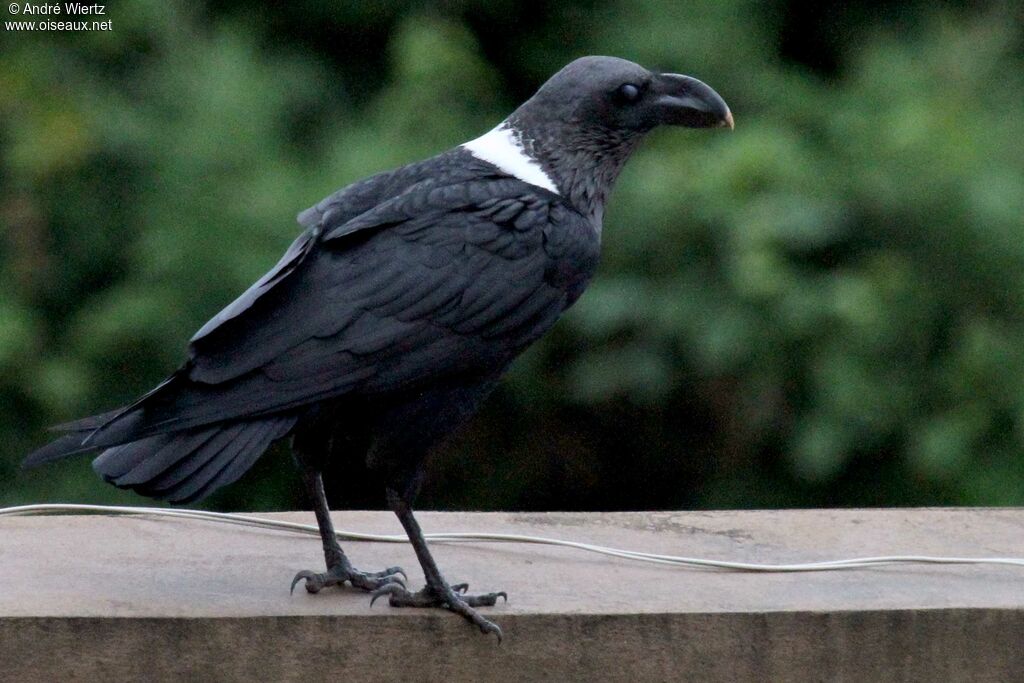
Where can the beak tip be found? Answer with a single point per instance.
(727, 122)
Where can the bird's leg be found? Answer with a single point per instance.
(437, 592)
(339, 569)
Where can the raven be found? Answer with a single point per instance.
(395, 313)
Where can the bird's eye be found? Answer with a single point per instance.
(628, 92)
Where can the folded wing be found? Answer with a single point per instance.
(434, 282)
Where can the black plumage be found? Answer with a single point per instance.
(396, 311)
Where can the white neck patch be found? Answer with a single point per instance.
(503, 148)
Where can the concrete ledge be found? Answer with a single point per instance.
(106, 598)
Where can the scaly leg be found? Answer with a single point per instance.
(437, 592)
(339, 569)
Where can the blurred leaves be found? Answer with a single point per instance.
(823, 307)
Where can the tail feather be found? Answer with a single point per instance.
(88, 424)
(62, 447)
(170, 477)
(116, 427)
(185, 466)
(229, 464)
(78, 440)
(140, 461)
(178, 466)
(240, 465)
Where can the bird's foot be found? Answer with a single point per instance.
(340, 574)
(453, 598)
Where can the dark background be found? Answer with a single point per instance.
(823, 308)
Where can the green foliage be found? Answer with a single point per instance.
(823, 307)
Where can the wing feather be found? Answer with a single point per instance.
(440, 281)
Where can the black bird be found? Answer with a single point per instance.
(395, 313)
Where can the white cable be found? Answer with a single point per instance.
(463, 537)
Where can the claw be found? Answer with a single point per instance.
(341, 574)
(490, 627)
(395, 571)
(308, 576)
(398, 577)
(390, 589)
(452, 598)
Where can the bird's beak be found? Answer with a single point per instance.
(685, 101)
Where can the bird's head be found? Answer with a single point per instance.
(582, 125)
(618, 96)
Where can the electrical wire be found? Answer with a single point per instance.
(470, 537)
